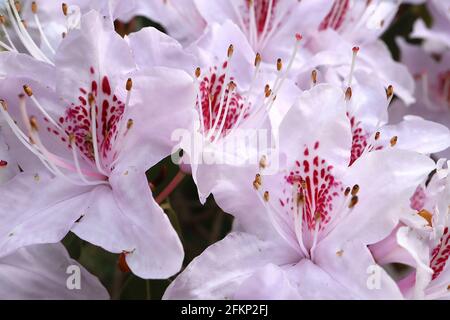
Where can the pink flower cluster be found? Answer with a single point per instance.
(292, 114)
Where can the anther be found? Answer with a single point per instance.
(71, 138)
(353, 202)
(393, 141)
(348, 93)
(389, 91)
(427, 216)
(230, 51)
(347, 191)
(279, 64)
(266, 196)
(314, 76)
(129, 85)
(198, 72)
(355, 190)
(257, 60)
(130, 123)
(64, 8)
(2, 19)
(33, 123)
(27, 90)
(377, 135)
(340, 253)
(34, 7)
(257, 182)
(91, 99)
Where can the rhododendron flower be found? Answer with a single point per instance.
(422, 241)
(38, 27)
(94, 125)
(309, 237)
(42, 271)
(235, 97)
(330, 29)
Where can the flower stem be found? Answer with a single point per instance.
(170, 187)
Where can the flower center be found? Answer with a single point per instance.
(88, 130)
(20, 28)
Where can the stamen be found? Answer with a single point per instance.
(11, 46)
(198, 73)
(231, 88)
(29, 92)
(253, 27)
(222, 93)
(94, 133)
(318, 220)
(299, 202)
(34, 9)
(23, 34)
(266, 196)
(355, 51)
(64, 8)
(257, 183)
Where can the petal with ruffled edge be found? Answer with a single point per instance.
(42, 272)
(385, 189)
(224, 266)
(419, 135)
(132, 223)
(38, 209)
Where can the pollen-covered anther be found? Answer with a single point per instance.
(91, 99)
(257, 60)
(34, 7)
(34, 124)
(355, 190)
(267, 91)
(257, 182)
(353, 202)
(427, 216)
(389, 91)
(393, 141)
(25, 24)
(298, 37)
(355, 50)
(300, 199)
(347, 191)
(230, 51)
(27, 90)
(3, 164)
(2, 19)
(340, 253)
(348, 93)
(263, 162)
(314, 76)
(129, 84)
(266, 196)
(198, 72)
(231, 85)
(377, 135)
(279, 64)
(130, 123)
(64, 8)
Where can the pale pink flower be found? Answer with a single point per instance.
(308, 236)
(97, 125)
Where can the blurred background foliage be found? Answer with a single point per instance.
(198, 226)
